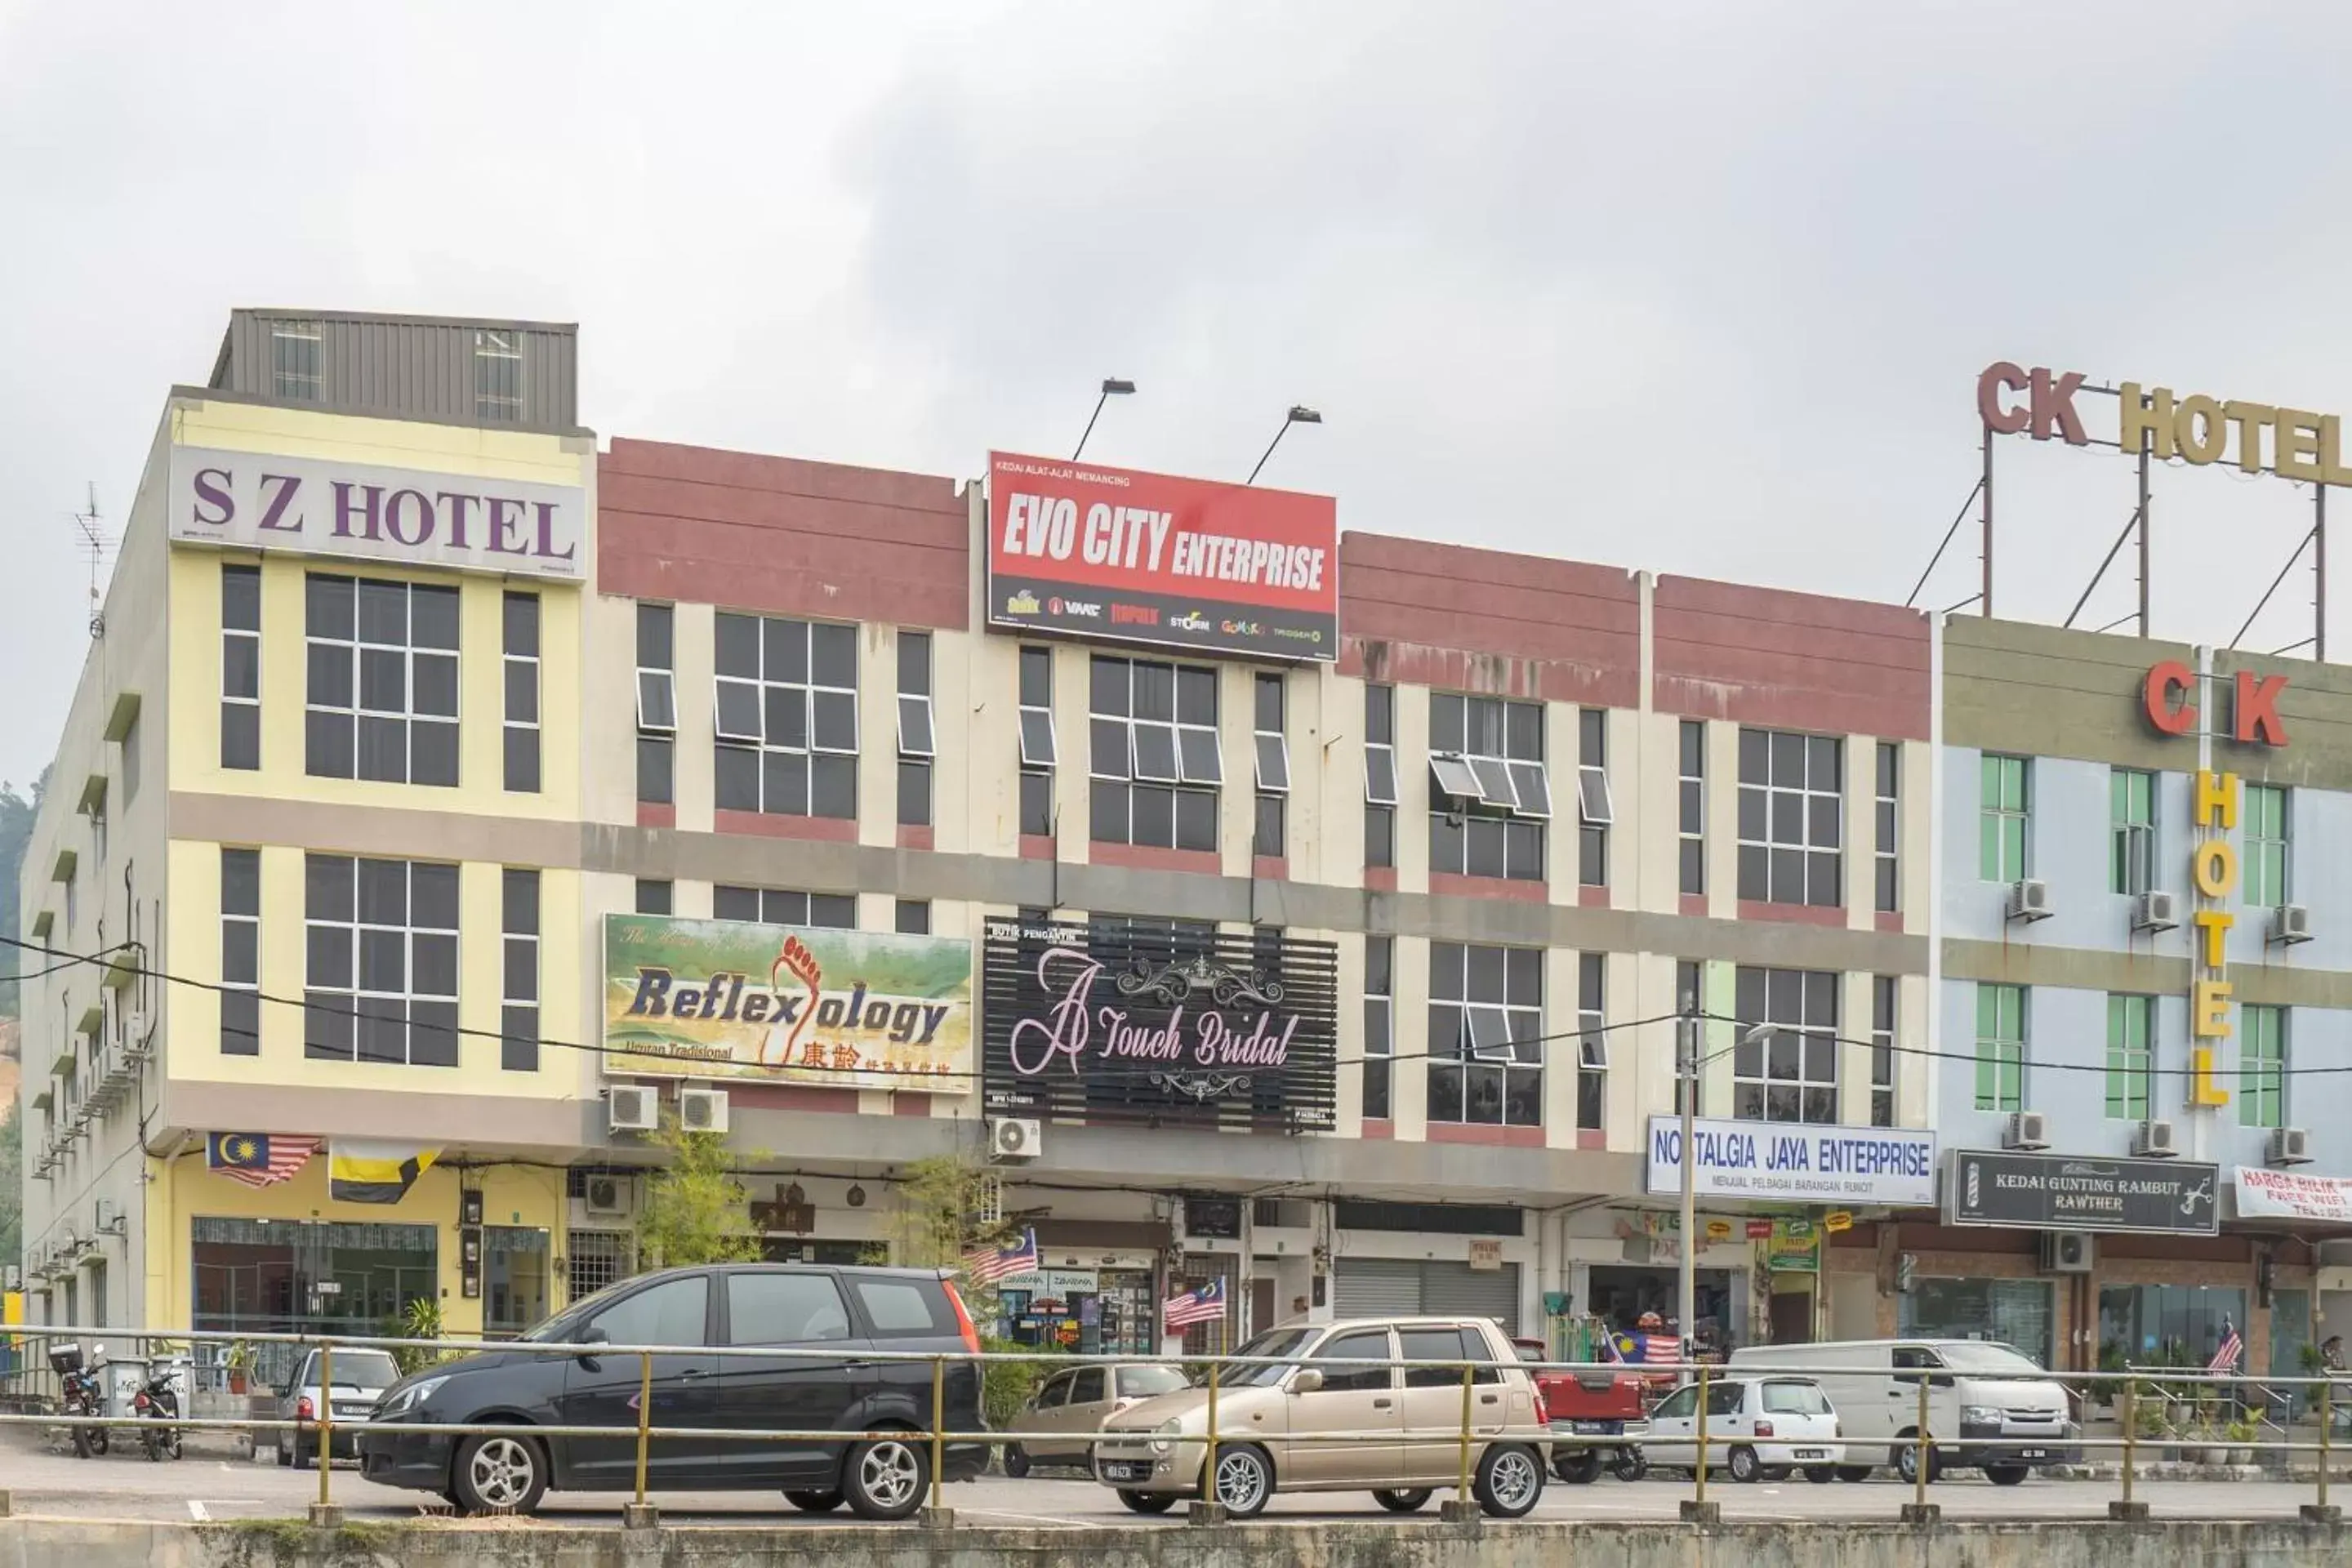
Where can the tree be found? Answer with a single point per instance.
(12, 1186)
(16, 829)
(695, 1209)
(946, 1206)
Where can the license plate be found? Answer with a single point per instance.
(2037, 1453)
(1590, 1428)
(1812, 1453)
(1116, 1472)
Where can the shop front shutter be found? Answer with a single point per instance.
(1449, 1287)
(1376, 1287)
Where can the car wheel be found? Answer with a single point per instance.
(1745, 1469)
(498, 1474)
(885, 1479)
(1509, 1482)
(1148, 1503)
(1907, 1463)
(1244, 1481)
(1856, 1473)
(1016, 1460)
(1821, 1475)
(813, 1503)
(2007, 1475)
(1632, 1465)
(1577, 1467)
(1406, 1502)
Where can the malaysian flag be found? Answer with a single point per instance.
(985, 1265)
(258, 1159)
(1661, 1350)
(1205, 1305)
(2225, 1359)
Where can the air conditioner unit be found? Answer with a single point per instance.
(2066, 1252)
(702, 1109)
(2290, 923)
(109, 1216)
(2029, 900)
(632, 1107)
(2153, 912)
(2026, 1129)
(2154, 1140)
(1010, 1138)
(608, 1196)
(2289, 1146)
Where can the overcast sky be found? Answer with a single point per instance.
(1694, 288)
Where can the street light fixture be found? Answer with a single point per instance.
(1687, 1063)
(1112, 386)
(1300, 415)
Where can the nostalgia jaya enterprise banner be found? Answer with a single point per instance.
(687, 998)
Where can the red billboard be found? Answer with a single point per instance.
(1095, 551)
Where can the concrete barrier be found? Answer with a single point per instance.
(2073, 1543)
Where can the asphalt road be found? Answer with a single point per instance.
(207, 1486)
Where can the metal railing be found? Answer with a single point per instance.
(2147, 1401)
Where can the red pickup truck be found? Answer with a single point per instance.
(1590, 1404)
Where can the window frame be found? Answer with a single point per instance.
(656, 632)
(245, 705)
(1790, 1000)
(1380, 1024)
(525, 734)
(297, 384)
(2131, 864)
(2002, 1047)
(771, 699)
(790, 907)
(1591, 1042)
(496, 348)
(1885, 1006)
(1481, 821)
(1761, 800)
(357, 1002)
(1116, 754)
(520, 923)
(1690, 807)
(240, 981)
(1886, 825)
(2263, 1080)
(1999, 822)
(2269, 856)
(351, 653)
(2130, 1077)
(1476, 1025)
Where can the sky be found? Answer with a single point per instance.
(1695, 286)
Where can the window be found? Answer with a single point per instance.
(1156, 768)
(2131, 1030)
(1883, 994)
(1485, 1027)
(1796, 1399)
(522, 692)
(778, 906)
(1370, 1345)
(918, 731)
(657, 704)
(2267, 858)
(1380, 775)
(1443, 1345)
(2004, 810)
(1380, 1023)
(652, 897)
(380, 968)
(519, 922)
(2001, 1047)
(1491, 795)
(1789, 1074)
(240, 1030)
(914, 917)
(1592, 1041)
(382, 666)
(787, 717)
(765, 1308)
(1692, 806)
(599, 1258)
(906, 1308)
(2131, 812)
(1792, 818)
(497, 381)
(240, 667)
(2262, 1067)
(669, 1313)
(1888, 845)
(1040, 746)
(1086, 1386)
(294, 362)
(1594, 808)
(1271, 745)
(1686, 1000)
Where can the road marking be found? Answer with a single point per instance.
(1037, 1517)
(197, 1510)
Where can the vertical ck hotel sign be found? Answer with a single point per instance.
(2169, 697)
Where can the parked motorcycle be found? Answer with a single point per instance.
(83, 1395)
(158, 1399)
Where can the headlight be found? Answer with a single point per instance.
(1981, 1413)
(1163, 1433)
(414, 1394)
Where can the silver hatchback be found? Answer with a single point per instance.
(1076, 1403)
(360, 1378)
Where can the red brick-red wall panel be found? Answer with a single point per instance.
(1801, 661)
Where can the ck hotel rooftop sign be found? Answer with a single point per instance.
(252, 501)
(2259, 437)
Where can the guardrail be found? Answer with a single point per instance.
(2140, 1396)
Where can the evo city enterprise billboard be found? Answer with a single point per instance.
(1085, 550)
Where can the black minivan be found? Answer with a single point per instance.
(852, 1310)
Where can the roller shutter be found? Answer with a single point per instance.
(1377, 1287)
(1385, 1288)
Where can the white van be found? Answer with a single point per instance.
(1988, 1407)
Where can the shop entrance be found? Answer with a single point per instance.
(307, 1277)
(1092, 1311)
(1376, 1287)
(1620, 1295)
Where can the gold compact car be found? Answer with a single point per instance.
(1402, 1424)
(1072, 1405)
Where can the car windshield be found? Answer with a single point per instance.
(1144, 1382)
(1273, 1344)
(1984, 1357)
(559, 1330)
(362, 1369)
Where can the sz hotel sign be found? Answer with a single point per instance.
(251, 500)
(1098, 1024)
(1123, 556)
(2258, 437)
(2168, 696)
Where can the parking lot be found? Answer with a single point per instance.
(207, 1485)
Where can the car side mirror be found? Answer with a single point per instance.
(591, 1335)
(1306, 1379)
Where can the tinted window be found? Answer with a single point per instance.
(1678, 1405)
(784, 1308)
(907, 1308)
(1145, 1381)
(1055, 1391)
(1274, 1342)
(1432, 1344)
(1794, 1399)
(669, 1313)
(1086, 1386)
(1726, 1399)
(1476, 1348)
(1373, 1346)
